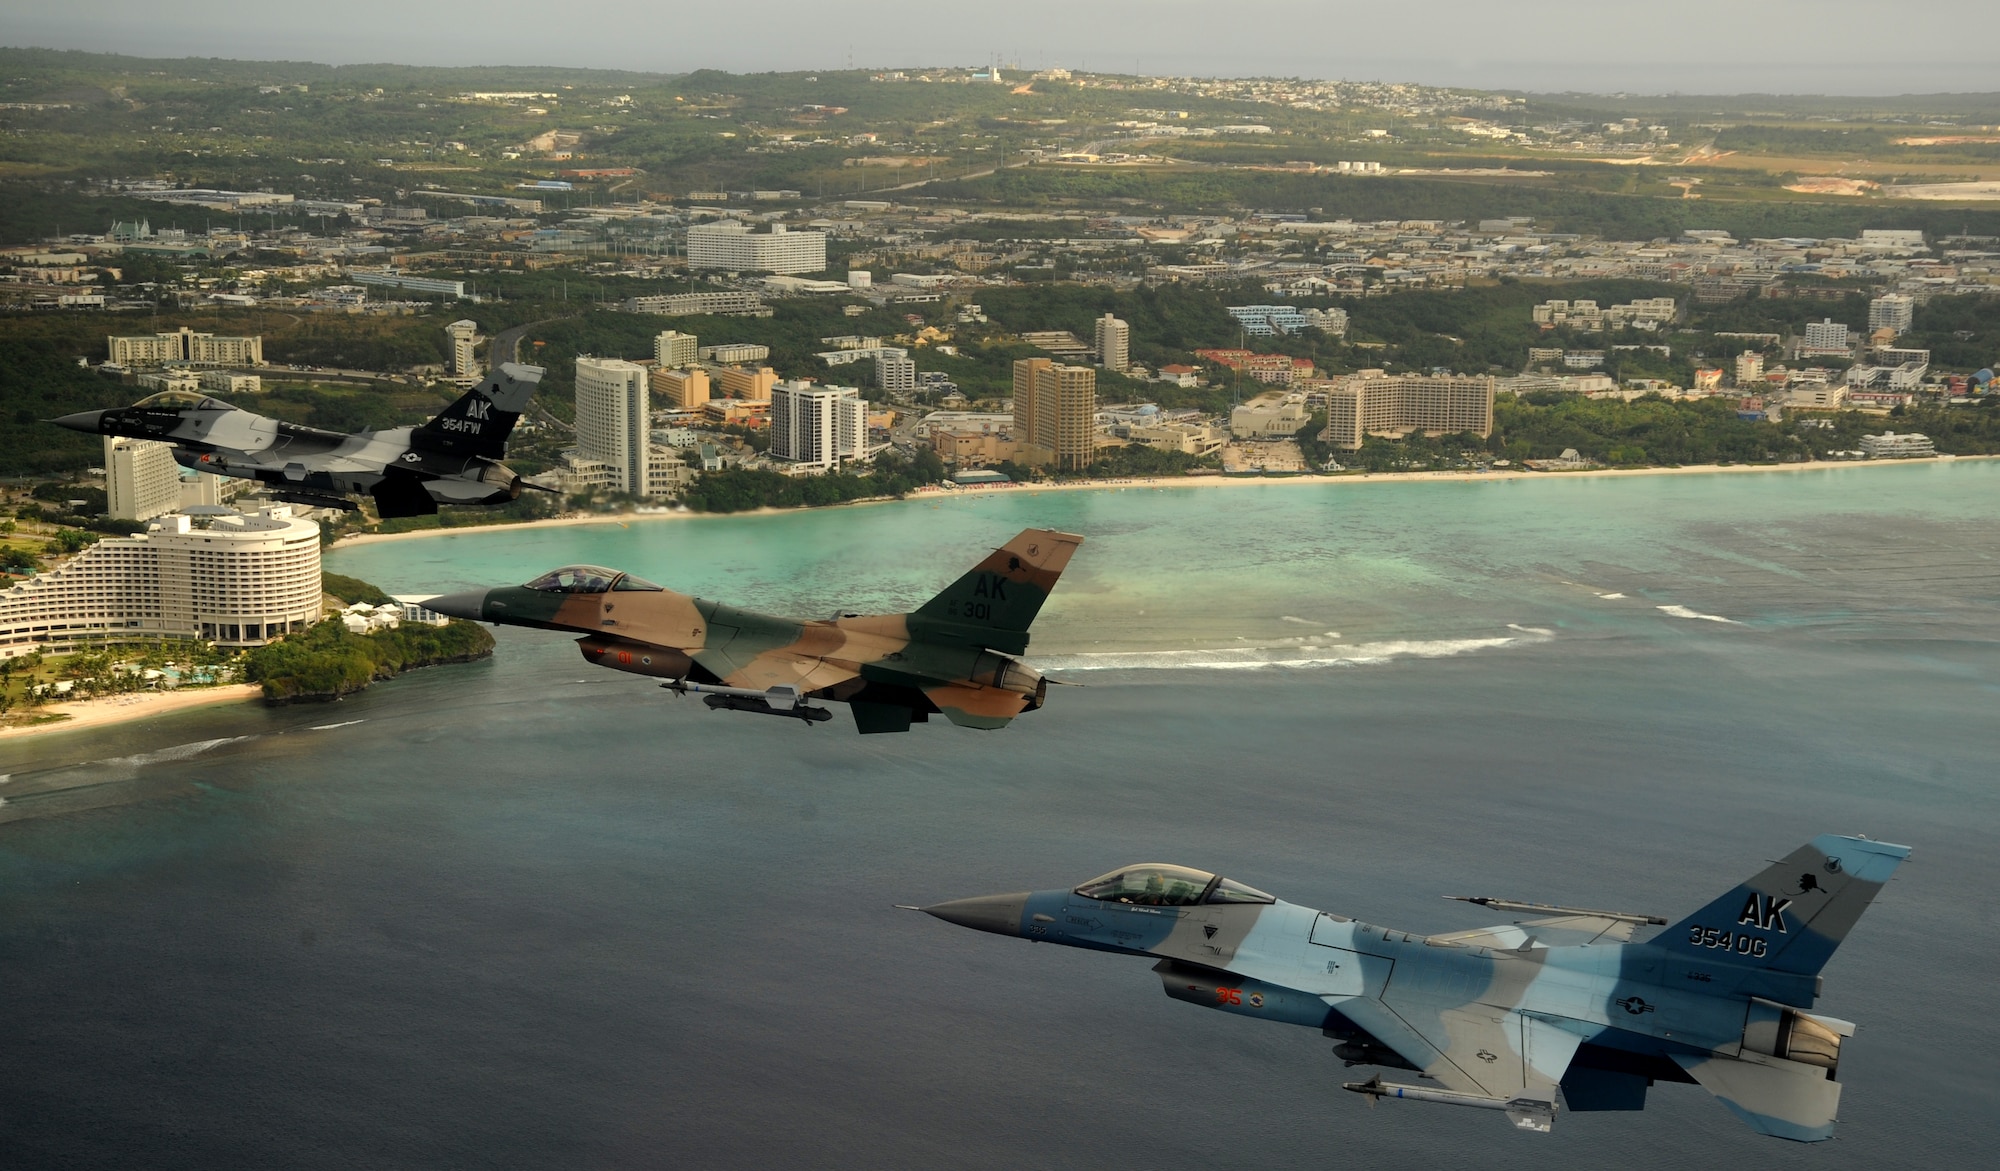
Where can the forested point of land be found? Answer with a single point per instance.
(328, 661)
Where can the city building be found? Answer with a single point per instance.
(185, 347)
(689, 304)
(613, 420)
(1267, 419)
(1268, 320)
(731, 245)
(684, 390)
(230, 382)
(734, 353)
(1816, 396)
(1892, 311)
(750, 383)
(973, 449)
(1890, 445)
(1114, 343)
(671, 349)
(391, 279)
(1584, 315)
(1055, 411)
(1749, 368)
(819, 427)
(895, 374)
(1826, 338)
(464, 337)
(141, 479)
(220, 576)
(1373, 403)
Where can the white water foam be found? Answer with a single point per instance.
(1684, 612)
(331, 727)
(177, 752)
(1537, 631)
(1611, 597)
(1299, 621)
(1257, 658)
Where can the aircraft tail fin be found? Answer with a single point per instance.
(993, 605)
(1792, 916)
(480, 421)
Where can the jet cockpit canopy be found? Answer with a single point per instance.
(1157, 884)
(587, 579)
(181, 400)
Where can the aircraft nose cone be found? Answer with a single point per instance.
(468, 604)
(84, 421)
(1000, 914)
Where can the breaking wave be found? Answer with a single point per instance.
(176, 752)
(1684, 612)
(1259, 658)
(331, 727)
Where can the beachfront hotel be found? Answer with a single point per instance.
(210, 573)
(1055, 413)
(1374, 403)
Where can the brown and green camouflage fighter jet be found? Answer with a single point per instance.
(957, 654)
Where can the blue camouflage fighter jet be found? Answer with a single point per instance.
(1503, 1018)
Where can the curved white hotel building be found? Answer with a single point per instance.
(218, 575)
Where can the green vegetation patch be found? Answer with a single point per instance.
(328, 661)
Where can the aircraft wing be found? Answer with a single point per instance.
(768, 669)
(1554, 931)
(1475, 1049)
(1553, 926)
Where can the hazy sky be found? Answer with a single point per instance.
(1693, 46)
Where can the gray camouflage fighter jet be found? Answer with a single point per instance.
(408, 471)
(1503, 1017)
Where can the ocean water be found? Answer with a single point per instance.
(527, 913)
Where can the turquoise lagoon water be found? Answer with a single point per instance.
(523, 913)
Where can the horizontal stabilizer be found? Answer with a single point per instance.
(1784, 1099)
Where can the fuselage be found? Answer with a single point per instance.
(643, 629)
(1283, 962)
(212, 436)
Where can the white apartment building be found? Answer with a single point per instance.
(613, 419)
(895, 374)
(731, 245)
(1824, 337)
(685, 304)
(1114, 343)
(230, 383)
(818, 426)
(186, 347)
(464, 337)
(1645, 313)
(140, 478)
(1749, 368)
(1372, 403)
(238, 580)
(1896, 311)
(1890, 445)
(672, 348)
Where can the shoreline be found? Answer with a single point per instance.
(1217, 481)
(118, 709)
